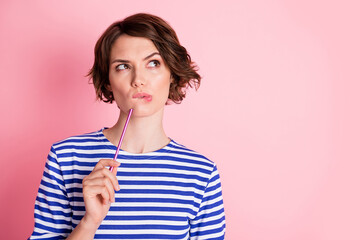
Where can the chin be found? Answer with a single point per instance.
(143, 111)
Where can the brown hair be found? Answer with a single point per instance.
(183, 70)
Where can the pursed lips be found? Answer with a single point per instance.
(142, 95)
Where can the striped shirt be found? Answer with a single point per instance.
(171, 193)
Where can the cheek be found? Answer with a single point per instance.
(119, 91)
(164, 88)
(163, 82)
(116, 82)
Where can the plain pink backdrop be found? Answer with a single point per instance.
(278, 109)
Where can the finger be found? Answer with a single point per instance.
(93, 191)
(117, 186)
(104, 173)
(114, 170)
(102, 182)
(105, 195)
(106, 163)
(110, 189)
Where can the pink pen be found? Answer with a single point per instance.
(122, 136)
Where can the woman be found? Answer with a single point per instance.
(161, 190)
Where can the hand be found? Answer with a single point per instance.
(98, 192)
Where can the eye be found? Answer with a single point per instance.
(153, 63)
(121, 67)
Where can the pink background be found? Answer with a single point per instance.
(278, 109)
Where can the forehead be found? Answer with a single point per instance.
(130, 47)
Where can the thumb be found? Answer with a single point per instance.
(114, 170)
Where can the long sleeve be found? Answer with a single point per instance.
(52, 209)
(209, 222)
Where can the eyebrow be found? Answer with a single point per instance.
(127, 61)
(154, 53)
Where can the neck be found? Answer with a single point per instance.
(143, 134)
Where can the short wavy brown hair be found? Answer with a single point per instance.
(183, 70)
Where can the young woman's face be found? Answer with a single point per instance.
(139, 77)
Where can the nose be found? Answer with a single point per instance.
(138, 79)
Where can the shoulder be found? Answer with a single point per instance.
(188, 154)
(88, 139)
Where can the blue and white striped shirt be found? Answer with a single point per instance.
(171, 193)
